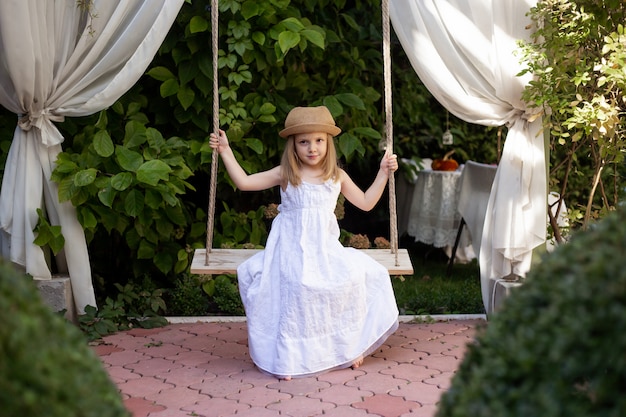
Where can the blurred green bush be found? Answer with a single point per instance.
(46, 367)
(558, 345)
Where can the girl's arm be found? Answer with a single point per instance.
(254, 182)
(368, 199)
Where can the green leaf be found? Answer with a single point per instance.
(151, 172)
(127, 159)
(293, 24)
(250, 8)
(164, 261)
(155, 138)
(175, 214)
(258, 37)
(198, 24)
(102, 120)
(165, 229)
(367, 132)
(348, 144)
(267, 108)
(351, 100)
(160, 74)
(255, 144)
(186, 96)
(122, 181)
(103, 144)
(333, 105)
(134, 134)
(313, 36)
(169, 88)
(87, 218)
(288, 40)
(106, 196)
(133, 203)
(85, 177)
(145, 250)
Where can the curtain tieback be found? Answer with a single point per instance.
(42, 120)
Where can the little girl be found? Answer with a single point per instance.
(311, 304)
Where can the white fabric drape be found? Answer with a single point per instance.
(463, 52)
(56, 60)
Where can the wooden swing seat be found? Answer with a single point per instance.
(225, 261)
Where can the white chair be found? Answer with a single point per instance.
(476, 181)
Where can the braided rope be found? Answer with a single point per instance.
(216, 122)
(393, 223)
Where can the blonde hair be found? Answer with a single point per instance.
(290, 163)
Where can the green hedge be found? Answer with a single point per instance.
(46, 367)
(558, 345)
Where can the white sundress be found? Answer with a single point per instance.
(311, 304)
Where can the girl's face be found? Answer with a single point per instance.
(311, 148)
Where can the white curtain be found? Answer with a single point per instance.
(464, 53)
(58, 60)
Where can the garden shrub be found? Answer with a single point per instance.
(46, 366)
(187, 298)
(558, 345)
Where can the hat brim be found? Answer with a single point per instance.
(310, 128)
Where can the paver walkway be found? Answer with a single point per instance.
(203, 369)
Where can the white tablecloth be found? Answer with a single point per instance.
(433, 216)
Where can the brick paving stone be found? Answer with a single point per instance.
(258, 396)
(226, 366)
(230, 350)
(411, 372)
(439, 362)
(192, 358)
(259, 412)
(170, 412)
(375, 364)
(413, 332)
(153, 366)
(221, 387)
(301, 406)
(173, 334)
(139, 332)
(143, 386)
(396, 339)
(187, 376)
(193, 361)
(428, 410)
(377, 383)
(162, 350)
(346, 411)
(126, 357)
(104, 349)
(213, 407)
(120, 374)
(197, 342)
(237, 332)
(398, 354)
(140, 407)
(200, 328)
(442, 380)
(342, 376)
(341, 395)
(300, 386)
(176, 397)
(429, 347)
(386, 405)
(420, 393)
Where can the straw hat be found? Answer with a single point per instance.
(308, 120)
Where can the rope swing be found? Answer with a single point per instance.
(225, 261)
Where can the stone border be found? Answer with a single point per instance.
(402, 319)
